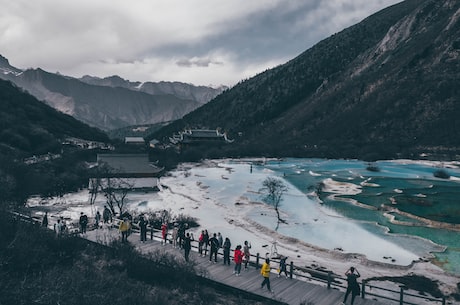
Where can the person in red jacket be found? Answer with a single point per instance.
(238, 259)
(164, 233)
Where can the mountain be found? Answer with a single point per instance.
(29, 127)
(200, 94)
(109, 103)
(385, 87)
(33, 159)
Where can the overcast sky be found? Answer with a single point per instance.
(203, 42)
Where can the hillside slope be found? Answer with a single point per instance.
(112, 102)
(384, 87)
(29, 127)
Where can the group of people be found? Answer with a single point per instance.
(183, 240)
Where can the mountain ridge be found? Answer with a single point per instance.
(383, 88)
(87, 99)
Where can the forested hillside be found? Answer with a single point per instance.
(29, 127)
(385, 87)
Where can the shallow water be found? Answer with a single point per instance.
(337, 224)
(410, 187)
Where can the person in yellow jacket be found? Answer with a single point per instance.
(124, 229)
(265, 271)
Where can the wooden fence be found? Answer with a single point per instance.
(321, 277)
(332, 280)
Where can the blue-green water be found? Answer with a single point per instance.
(409, 186)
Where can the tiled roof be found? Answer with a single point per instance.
(129, 163)
(201, 133)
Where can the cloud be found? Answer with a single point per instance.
(196, 41)
(197, 62)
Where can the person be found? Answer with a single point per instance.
(181, 234)
(214, 243)
(45, 220)
(227, 245)
(200, 243)
(106, 214)
(282, 267)
(220, 239)
(175, 235)
(124, 229)
(97, 219)
(238, 259)
(164, 233)
(143, 228)
(352, 284)
(265, 271)
(105, 233)
(247, 254)
(83, 222)
(58, 228)
(188, 245)
(63, 226)
(205, 242)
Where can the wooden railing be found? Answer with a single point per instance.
(334, 281)
(327, 278)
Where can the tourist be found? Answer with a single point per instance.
(282, 267)
(188, 245)
(105, 233)
(353, 286)
(238, 259)
(220, 239)
(247, 254)
(143, 228)
(200, 243)
(164, 233)
(175, 235)
(205, 242)
(265, 271)
(83, 222)
(106, 214)
(124, 229)
(97, 219)
(181, 234)
(214, 243)
(64, 229)
(58, 228)
(227, 245)
(45, 220)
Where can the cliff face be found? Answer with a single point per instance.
(385, 86)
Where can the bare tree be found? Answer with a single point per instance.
(274, 189)
(115, 191)
(93, 188)
(95, 182)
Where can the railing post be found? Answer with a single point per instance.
(291, 269)
(401, 294)
(443, 300)
(329, 277)
(257, 260)
(363, 289)
(151, 233)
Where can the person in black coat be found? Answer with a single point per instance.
(188, 245)
(353, 286)
(227, 246)
(214, 243)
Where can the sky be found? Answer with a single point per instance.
(202, 42)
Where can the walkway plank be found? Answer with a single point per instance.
(289, 291)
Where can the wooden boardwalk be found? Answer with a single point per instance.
(289, 291)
